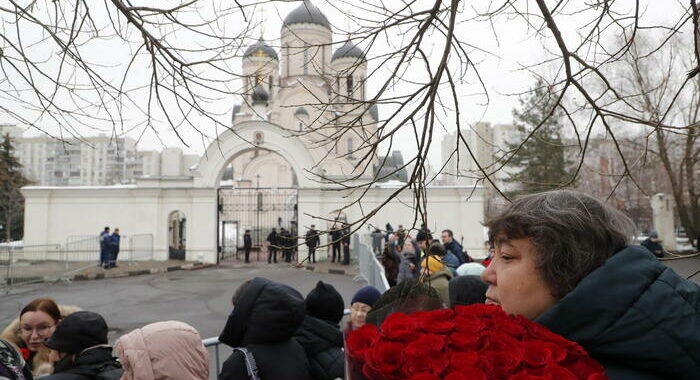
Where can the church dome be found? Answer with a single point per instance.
(307, 13)
(260, 95)
(301, 111)
(348, 50)
(260, 49)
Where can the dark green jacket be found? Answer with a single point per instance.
(635, 316)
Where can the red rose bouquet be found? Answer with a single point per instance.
(476, 342)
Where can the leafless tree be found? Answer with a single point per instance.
(424, 69)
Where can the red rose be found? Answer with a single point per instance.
(538, 353)
(425, 364)
(400, 327)
(426, 344)
(464, 341)
(469, 324)
(384, 358)
(26, 354)
(360, 340)
(468, 373)
(424, 376)
(585, 367)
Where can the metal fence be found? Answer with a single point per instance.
(23, 264)
(370, 268)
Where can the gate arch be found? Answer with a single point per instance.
(266, 135)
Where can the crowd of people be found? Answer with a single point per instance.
(562, 259)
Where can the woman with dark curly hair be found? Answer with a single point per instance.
(562, 259)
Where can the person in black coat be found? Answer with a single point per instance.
(272, 247)
(247, 245)
(265, 316)
(320, 333)
(312, 241)
(653, 244)
(336, 237)
(79, 349)
(346, 233)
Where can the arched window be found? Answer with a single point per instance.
(350, 148)
(349, 84)
(260, 201)
(286, 58)
(270, 85)
(306, 59)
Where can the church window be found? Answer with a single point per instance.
(260, 200)
(350, 148)
(306, 60)
(349, 85)
(270, 86)
(286, 58)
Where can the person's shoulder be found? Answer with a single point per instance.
(234, 366)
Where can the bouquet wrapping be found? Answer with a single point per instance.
(476, 342)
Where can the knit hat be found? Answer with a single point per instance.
(324, 302)
(470, 269)
(78, 331)
(368, 295)
(654, 235)
(467, 290)
(433, 263)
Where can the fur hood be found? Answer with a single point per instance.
(40, 364)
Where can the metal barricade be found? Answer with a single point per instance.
(371, 270)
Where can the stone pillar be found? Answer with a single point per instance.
(663, 209)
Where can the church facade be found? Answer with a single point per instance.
(302, 124)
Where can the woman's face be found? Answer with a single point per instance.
(358, 314)
(407, 246)
(35, 326)
(515, 282)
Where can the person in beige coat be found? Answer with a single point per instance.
(36, 356)
(163, 350)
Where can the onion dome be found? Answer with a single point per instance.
(307, 13)
(260, 49)
(301, 111)
(260, 96)
(348, 50)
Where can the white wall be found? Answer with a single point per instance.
(53, 214)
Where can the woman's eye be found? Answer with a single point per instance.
(506, 257)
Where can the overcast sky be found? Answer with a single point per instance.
(500, 51)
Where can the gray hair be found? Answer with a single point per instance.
(573, 233)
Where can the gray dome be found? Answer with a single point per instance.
(260, 49)
(374, 112)
(348, 50)
(301, 111)
(307, 13)
(260, 95)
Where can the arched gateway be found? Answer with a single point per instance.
(243, 202)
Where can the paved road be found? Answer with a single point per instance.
(200, 298)
(688, 267)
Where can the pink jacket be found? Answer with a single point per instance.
(163, 350)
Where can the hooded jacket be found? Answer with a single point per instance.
(95, 363)
(263, 320)
(323, 343)
(440, 281)
(38, 363)
(635, 316)
(163, 350)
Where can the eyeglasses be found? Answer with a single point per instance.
(40, 330)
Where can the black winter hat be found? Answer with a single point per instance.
(324, 302)
(78, 331)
